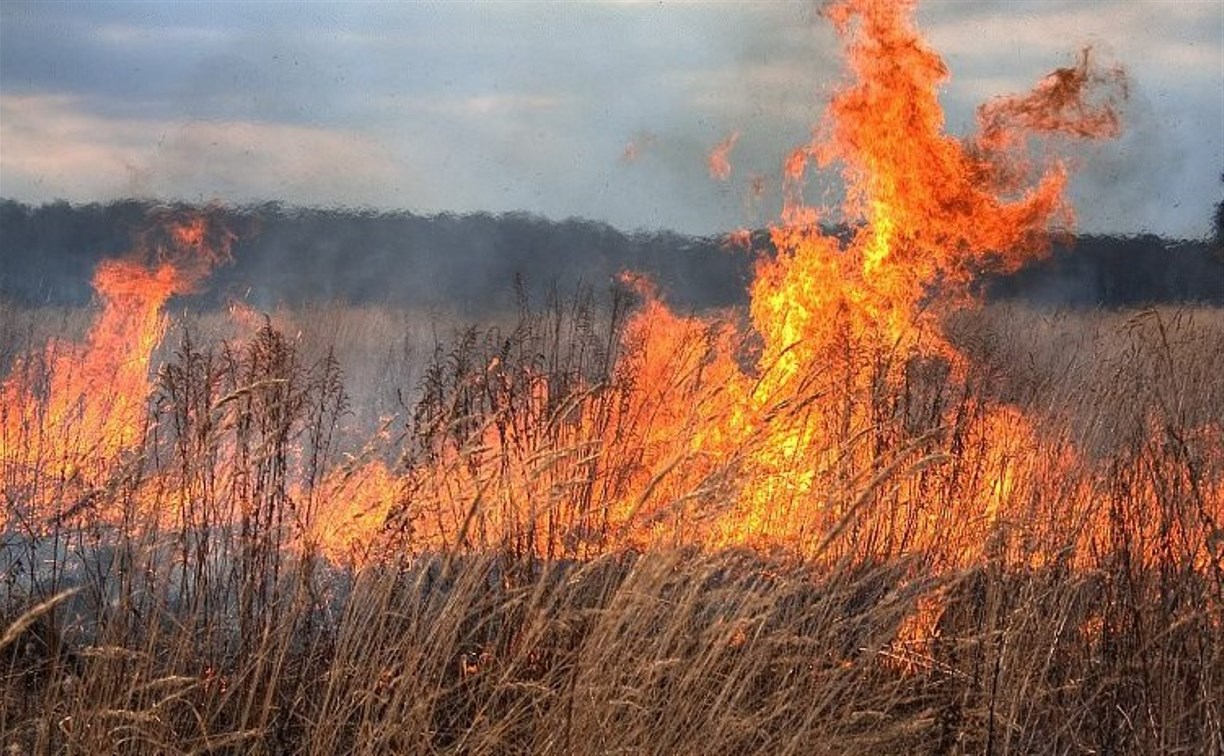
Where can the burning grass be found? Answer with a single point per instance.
(225, 627)
(862, 516)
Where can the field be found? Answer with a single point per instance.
(225, 628)
(862, 511)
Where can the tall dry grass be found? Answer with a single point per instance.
(537, 630)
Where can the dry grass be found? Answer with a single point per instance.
(214, 633)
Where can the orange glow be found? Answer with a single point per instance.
(719, 161)
(739, 239)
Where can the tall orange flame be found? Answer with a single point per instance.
(929, 213)
(775, 447)
(86, 402)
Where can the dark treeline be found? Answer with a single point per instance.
(1115, 271)
(282, 255)
(47, 254)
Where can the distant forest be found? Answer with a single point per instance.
(472, 262)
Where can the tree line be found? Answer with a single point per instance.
(482, 261)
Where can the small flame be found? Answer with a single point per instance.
(719, 161)
(741, 239)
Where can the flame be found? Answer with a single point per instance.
(641, 143)
(928, 210)
(790, 429)
(739, 239)
(85, 403)
(778, 449)
(719, 161)
(1079, 101)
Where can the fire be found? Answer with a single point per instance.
(1064, 102)
(719, 162)
(805, 427)
(740, 239)
(85, 403)
(640, 144)
(929, 212)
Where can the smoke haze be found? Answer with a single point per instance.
(296, 256)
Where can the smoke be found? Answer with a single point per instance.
(471, 262)
(1131, 184)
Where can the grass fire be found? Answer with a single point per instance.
(864, 505)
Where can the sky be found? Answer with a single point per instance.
(599, 110)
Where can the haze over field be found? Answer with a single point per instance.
(604, 111)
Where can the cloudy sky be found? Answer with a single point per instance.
(600, 110)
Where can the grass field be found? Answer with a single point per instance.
(180, 597)
(860, 513)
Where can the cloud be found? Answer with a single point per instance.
(504, 106)
(507, 105)
(1157, 40)
(55, 148)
